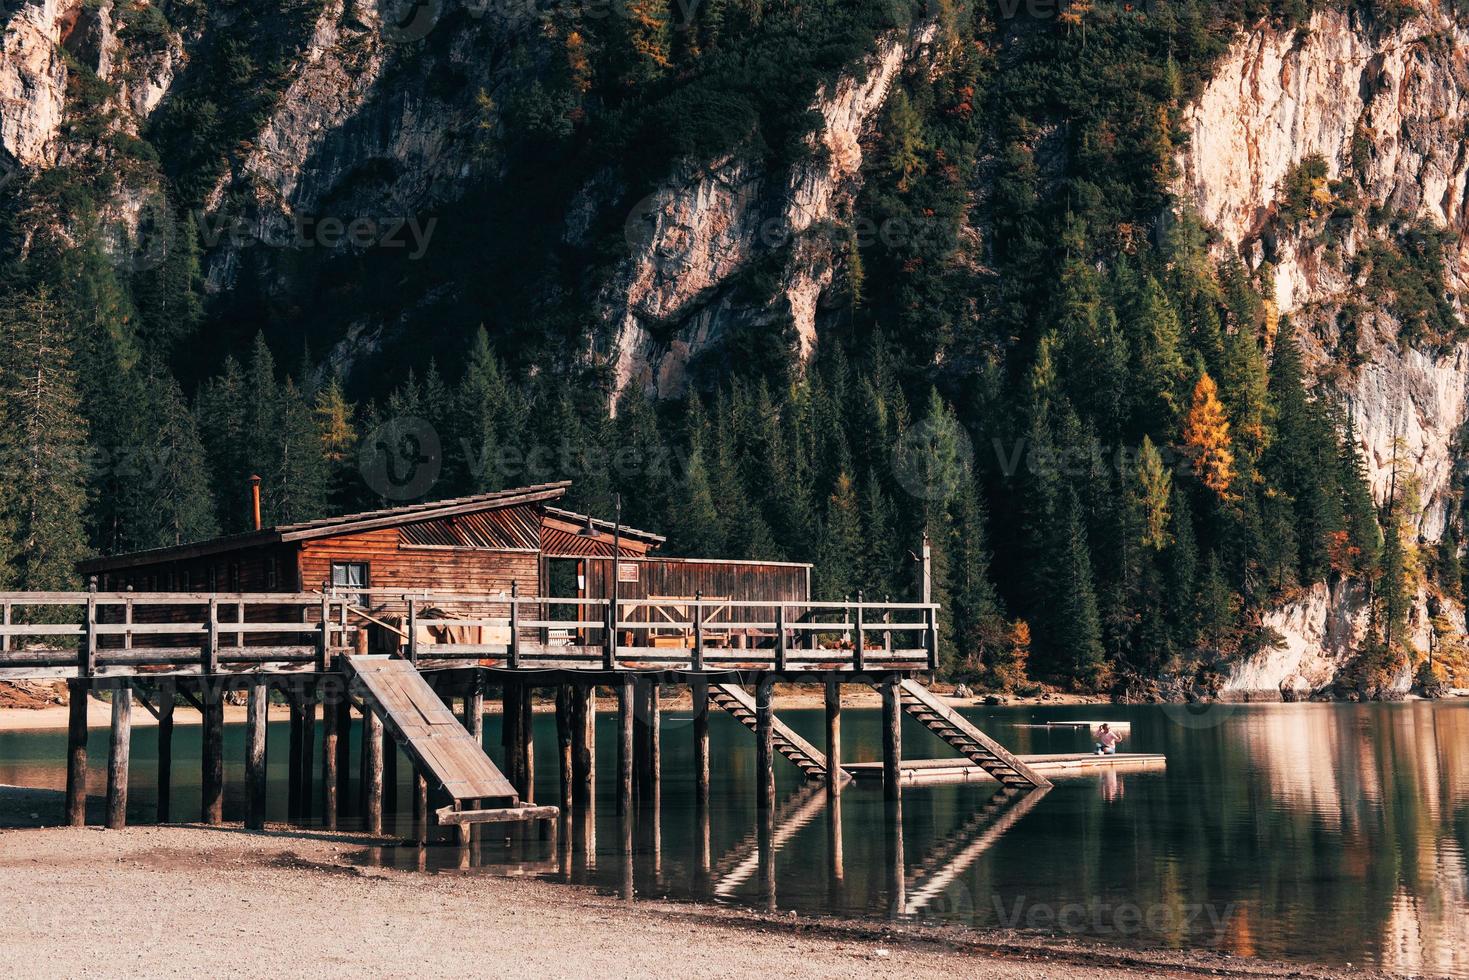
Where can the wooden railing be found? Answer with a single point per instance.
(690, 634)
(86, 634)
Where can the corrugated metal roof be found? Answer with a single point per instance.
(580, 520)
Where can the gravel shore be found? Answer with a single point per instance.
(191, 901)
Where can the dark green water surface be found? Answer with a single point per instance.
(1325, 833)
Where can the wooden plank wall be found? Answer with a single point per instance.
(393, 565)
(746, 581)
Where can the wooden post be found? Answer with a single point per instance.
(420, 806)
(209, 663)
(330, 753)
(563, 745)
(76, 752)
(511, 732)
(859, 658)
(293, 758)
(344, 752)
(931, 635)
(583, 744)
(390, 778)
(255, 775)
(474, 710)
(88, 646)
(212, 702)
(833, 735)
(413, 631)
(626, 708)
(308, 749)
(323, 638)
(700, 691)
(892, 738)
(118, 755)
(527, 743)
(165, 695)
(514, 652)
(764, 743)
(655, 741)
(609, 640)
(372, 792)
(781, 648)
(698, 654)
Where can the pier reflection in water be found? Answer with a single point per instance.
(1330, 833)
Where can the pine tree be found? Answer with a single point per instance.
(299, 473)
(183, 509)
(1079, 630)
(43, 444)
(1152, 488)
(695, 527)
(978, 634)
(1160, 371)
(1206, 438)
(838, 563)
(333, 415)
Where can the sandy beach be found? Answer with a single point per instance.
(189, 901)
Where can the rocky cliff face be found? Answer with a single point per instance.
(33, 82)
(692, 237)
(1385, 111)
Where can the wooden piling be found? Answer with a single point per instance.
(511, 732)
(583, 744)
(563, 748)
(764, 744)
(330, 752)
(372, 790)
(833, 735)
(212, 739)
(307, 767)
(474, 710)
(76, 752)
(525, 717)
(654, 710)
(164, 694)
(892, 738)
(255, 773)
(390, 779)
(344, 755)
(699, 689)
(626, 708)
(118, 755)
(293, 758)
(420, 807)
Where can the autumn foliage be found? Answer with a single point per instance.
(1206, 437)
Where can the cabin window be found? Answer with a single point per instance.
(350, 575)
(187, 578)
(271, 574)
(213, 579)
(234, 576)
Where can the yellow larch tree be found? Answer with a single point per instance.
(1206, 437)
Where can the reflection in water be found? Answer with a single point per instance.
(1315, 832)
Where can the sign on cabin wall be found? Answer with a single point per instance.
(627, 571)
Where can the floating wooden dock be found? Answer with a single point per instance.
(922, 772)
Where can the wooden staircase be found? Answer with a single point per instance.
(805, 756)
(922, 704)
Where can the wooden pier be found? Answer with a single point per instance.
(196, 650)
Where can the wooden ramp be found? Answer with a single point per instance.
(741, 705)
(981, 750)
(442, 749)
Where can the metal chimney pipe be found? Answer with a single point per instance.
(255, 499)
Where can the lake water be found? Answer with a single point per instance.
(1324, 833)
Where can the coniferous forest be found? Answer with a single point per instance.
(1109, 436)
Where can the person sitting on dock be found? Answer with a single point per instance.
(1107, 740)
